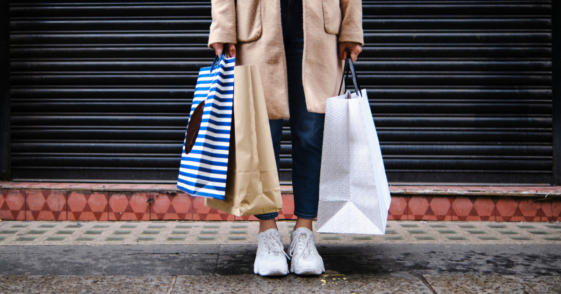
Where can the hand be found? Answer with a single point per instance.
(346, 47)
(219, 47)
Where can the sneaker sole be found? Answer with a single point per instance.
(271, 272)
(309, 272)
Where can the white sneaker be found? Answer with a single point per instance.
(303, 253)
(271, 258)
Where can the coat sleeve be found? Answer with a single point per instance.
(223, 27)
(351, 25)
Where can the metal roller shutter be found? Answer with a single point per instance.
(460, 90)
(102, 90)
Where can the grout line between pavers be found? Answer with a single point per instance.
(217, 258)
(422, 278)
(172, 286)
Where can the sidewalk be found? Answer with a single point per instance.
(402, 283)
(217, 257)
(125, 238)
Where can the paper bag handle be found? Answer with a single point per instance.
(349, 64)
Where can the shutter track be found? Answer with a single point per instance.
(460, 90)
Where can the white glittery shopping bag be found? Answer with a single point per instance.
(354, 196)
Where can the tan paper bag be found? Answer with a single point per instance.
(252, 183)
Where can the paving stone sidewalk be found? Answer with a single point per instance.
(327, 283)
(151, 257)
(175, 232)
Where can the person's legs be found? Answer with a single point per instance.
(307, 139)
(306, 127)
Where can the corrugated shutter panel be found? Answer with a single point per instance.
(102, 90)
(460, 90)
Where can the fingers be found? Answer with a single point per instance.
(354, 54)
(356, 49)
(218, 48)
(348, 47)
(232, 50)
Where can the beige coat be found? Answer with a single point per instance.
(255, 26)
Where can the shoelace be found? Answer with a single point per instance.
(274, 245)
(302, 242)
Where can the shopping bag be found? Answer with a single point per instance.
(252, 185)
(354, 196)
(204, 158)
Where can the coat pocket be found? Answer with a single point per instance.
(248, 19)
(332, 16)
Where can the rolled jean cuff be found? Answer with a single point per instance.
(267, 216)
(305, 216)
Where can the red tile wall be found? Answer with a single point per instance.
(45, 205)
(546, 212)
(12, 205)
(398, 208)
(128, 206)
(287, 211)
(473, 209)
(172, 207)
(59, 205)
(556, 210)
(429, 208)
(87, 206)
(205, 213)
(528, 211)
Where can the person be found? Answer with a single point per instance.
(299, 47)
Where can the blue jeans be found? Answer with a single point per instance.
(306, 127)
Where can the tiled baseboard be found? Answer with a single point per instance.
(459, 208)
(92, 203)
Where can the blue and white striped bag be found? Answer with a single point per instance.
(204, 159)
